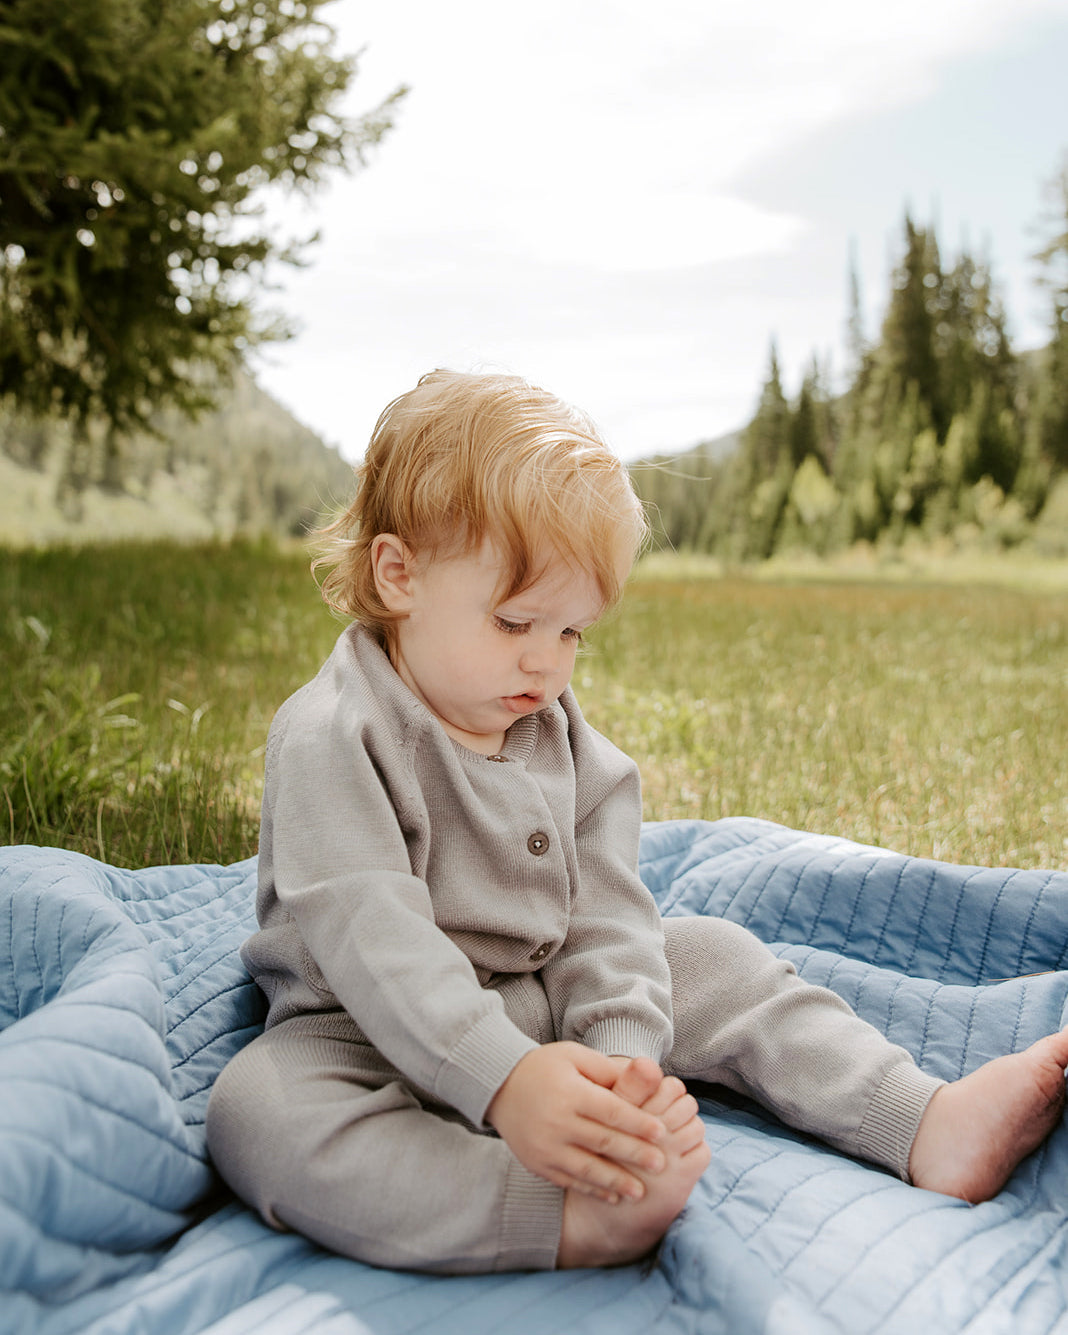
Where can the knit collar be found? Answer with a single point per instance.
(395, 698)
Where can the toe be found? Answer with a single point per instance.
(668, 1093)
(638, 1081)
(1054, 1048)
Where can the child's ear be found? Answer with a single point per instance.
(392, 562)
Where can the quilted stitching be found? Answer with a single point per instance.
(137, 973)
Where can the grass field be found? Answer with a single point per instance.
(140, 682)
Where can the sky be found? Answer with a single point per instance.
(627, 202)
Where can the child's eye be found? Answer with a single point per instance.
(511, 627)
(572, 634)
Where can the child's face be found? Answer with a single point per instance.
(479, 664)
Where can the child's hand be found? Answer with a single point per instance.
(559, 1117)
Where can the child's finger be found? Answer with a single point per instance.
(618, 1147)
(594, 1176)
(609, 1197)
(669, 1092)
(602, 1105)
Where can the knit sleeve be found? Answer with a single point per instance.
(609, 985)
(342, 876)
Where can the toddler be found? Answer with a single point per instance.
(478, 1023)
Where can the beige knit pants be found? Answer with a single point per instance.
(320, 1133)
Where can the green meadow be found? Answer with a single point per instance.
(929, 717)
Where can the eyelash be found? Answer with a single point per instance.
(521, 627)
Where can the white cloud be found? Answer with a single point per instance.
(610, 133)
(561, 196)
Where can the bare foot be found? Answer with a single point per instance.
(597, 1233)
(976, 1130)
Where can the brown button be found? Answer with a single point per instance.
(538, 843)
(541, 952)
(501, 760)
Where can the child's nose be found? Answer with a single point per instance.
(542, 657)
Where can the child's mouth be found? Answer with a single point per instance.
(522, 704)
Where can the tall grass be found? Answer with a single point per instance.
(141, 680)
(930, 720)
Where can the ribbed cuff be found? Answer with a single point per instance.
(893, 1117)
(622, 1037)
(479, 1064)
(531, 1221)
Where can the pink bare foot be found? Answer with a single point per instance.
(598, 1233)
(976, 1130)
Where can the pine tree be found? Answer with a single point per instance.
(908, 348)
(134, 140)
(1050, 408)
(804, 426)
(765, 469)
(767, 438)
(812, 424)
(856, 339)
(979, 370)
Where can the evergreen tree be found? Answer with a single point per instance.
(908, 349)
(941, 429)
(765, 470)
(979, 370)
(134, 139)
(812, 424)
(767, 438)
(856, 340)
(804, 426)
(1050, 407)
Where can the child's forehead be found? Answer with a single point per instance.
(558, 586)
(551, 581)
(543, 567)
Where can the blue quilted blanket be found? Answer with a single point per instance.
(122, 995)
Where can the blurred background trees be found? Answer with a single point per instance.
(943, 431)
(136, 143)
(1050, 424)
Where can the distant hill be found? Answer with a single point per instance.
(675, 488)
(705, 452)
(248, 467)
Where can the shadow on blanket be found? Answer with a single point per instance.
(123, 996)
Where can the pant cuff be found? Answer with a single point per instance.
(531, 1221)
(893, 1117)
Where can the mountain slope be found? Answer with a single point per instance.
(248, 467)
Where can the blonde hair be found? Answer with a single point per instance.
(466, 457)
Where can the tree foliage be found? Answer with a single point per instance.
(942, 430)
(1051, 415)
(135, 139)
